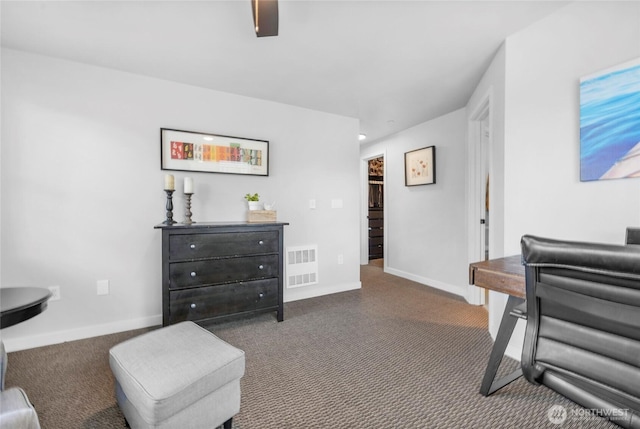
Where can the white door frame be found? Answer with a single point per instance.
(476, 185)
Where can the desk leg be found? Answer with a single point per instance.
(507, 324)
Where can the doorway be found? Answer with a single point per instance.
(479, 198)
(485, 179)
(375, 214)
(380, 176)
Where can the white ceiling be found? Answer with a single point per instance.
(392, 64)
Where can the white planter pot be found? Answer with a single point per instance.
(255, 205)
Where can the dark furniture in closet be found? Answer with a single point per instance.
(376, 217)
(376, 233)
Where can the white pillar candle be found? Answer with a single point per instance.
(188, 185)
(169, 183)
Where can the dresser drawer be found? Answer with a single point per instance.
(376, 241)
(226, 270)
(198, 246)
(376, 223)
(214, 301)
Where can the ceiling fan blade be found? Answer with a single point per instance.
(265, 17)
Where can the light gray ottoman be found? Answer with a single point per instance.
(181, 376)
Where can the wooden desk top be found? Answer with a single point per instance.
(504, 275)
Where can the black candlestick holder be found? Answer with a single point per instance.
(169, 207)
(187, 213)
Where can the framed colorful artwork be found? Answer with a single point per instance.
(420, 166)
(609, 123)
(212, 153)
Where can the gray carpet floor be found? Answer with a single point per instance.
(395, 354)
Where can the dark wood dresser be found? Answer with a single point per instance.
(376, 233)
(218, 270)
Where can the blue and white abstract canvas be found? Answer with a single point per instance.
(610, 123)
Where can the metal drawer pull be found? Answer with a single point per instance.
(193, 246)
(261, 242)
(261, 267)
(193, 306)
(193, 273)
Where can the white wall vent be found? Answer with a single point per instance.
(302, 266)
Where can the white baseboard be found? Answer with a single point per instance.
(23, 343)
(436, 284)
(29, 342)
(304, 292)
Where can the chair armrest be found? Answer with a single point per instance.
(17, 412)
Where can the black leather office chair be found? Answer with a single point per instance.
(583, 326)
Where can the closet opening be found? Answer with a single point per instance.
(376, 208)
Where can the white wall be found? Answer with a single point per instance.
(535, 187)
(82, 188)
(543, 192)
(426, 225)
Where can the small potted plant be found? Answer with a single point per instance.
(254, 201)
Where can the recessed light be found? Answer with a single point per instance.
(208, 138)
(362, 137)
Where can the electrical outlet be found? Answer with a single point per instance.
(340, 259)
(312, 204)
(55, 293)
(102, 287)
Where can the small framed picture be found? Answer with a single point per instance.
(212, 153)
(420, 167)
